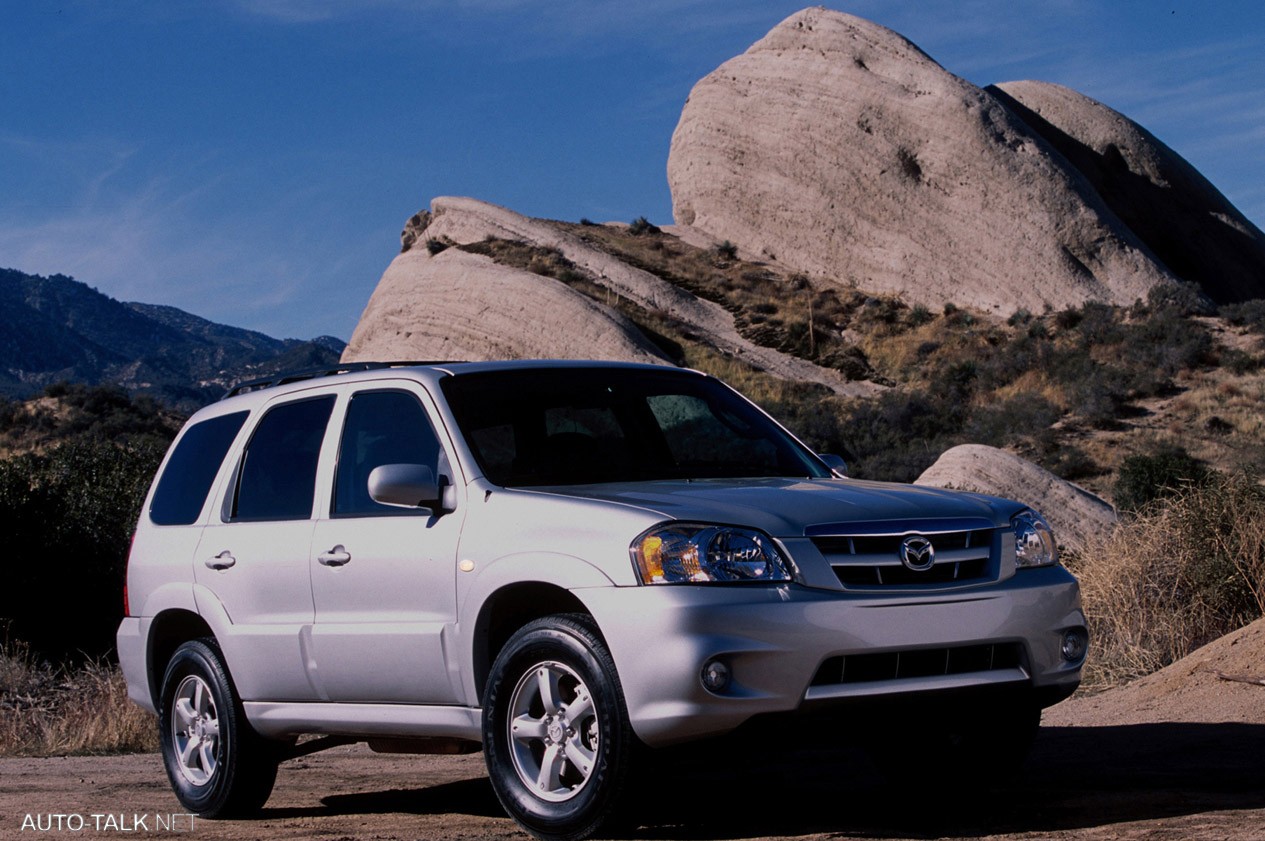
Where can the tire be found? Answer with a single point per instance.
(218, 766)
(556, 736)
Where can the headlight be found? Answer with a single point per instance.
(1034, 540)
(685, 552)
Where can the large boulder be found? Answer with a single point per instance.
(1181, 217)
(459, 305)
(455, 305)
(1076, 515)
(840, 149)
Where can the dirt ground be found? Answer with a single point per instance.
(1153, 781)
(1177, 755)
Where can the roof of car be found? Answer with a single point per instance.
(453, 368)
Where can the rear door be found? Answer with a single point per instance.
(383, 577)
(254, 553)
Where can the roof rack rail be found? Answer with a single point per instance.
(246, 386)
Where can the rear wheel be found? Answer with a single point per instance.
(557, 740)
(218, 765)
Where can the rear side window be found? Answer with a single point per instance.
(278, 472)
(182, 490)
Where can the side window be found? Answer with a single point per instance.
(182, 490)
(278, 473)
(382, 427)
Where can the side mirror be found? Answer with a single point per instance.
(409, 486)
(837, 465)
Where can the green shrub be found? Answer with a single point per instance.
(1004, 422)
(642, 226)
(434, 246)
(68, 516)
(1142, 479)
(727, 250)
(1238, 362)
(1250, 314)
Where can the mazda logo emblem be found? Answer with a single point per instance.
(917, 553)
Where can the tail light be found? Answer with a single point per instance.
(127, 607)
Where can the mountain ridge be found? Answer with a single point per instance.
(55, 328)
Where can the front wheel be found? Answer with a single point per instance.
(218, 765)
(557, 740)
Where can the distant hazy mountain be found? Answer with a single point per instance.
(56, 328)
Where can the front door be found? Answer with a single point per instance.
(383, 577)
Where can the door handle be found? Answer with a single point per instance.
(222, 561)
(335, 557)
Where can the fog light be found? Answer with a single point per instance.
(716, 676)
(1075, 642)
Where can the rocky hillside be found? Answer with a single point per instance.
(832, 156)
(892, 260)
(836, 147)
(458, 291)
(56, 328)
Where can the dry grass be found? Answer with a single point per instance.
(1183, 572)
(47, 711)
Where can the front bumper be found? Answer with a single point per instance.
(776, 639)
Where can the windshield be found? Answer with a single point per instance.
(566, 426)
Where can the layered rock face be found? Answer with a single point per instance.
(1077, 516)
(458, 305)
(838, 148)
(1166, 202)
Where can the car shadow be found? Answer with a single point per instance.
(472, 797)
(1075, 778)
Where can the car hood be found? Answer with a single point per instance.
(796, 507)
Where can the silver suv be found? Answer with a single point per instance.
(569, 565)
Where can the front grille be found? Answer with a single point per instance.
(868, 560)
(878, 576)
(916, 663)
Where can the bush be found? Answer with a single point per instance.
(727, 250)
(1142, 479)
(434, 246)
(1250, 314)
(1180, 573)
(642, 226)
(1182, 298)
(920, 315)
(69, 517)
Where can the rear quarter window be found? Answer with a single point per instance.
(187, 478)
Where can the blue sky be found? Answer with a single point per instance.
(253, 161)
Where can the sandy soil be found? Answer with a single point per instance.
(1153, 781)
(1180, 755)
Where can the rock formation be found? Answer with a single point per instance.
(1182, 218)
(838, 148)
(457, 305)
(461, 306)
(1075, 514)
